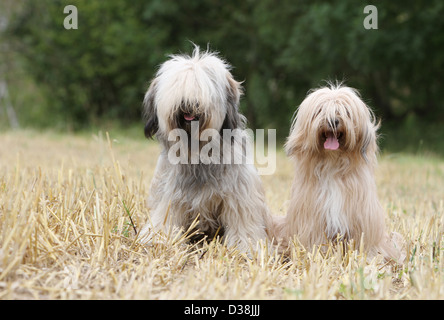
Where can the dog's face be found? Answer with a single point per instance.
(333, 121)
(186, 89)
(185, 115)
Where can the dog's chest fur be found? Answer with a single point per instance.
(332, 197)
(201, 193)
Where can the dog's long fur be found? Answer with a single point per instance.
(334, 192)
(228, 198)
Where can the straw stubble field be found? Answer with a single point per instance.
(69, 205)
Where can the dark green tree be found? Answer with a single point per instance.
(279, 49)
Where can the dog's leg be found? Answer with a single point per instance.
(244, 226)
(157, 202)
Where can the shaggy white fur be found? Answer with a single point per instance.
(228, 199)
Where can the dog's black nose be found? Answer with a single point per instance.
(333, 123)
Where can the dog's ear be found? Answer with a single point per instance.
(368, 141)
(149, 112)
(292, 144)
(233, 119)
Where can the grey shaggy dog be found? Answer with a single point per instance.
(226, 198)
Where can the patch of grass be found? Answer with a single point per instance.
(69, 205)
(413, 137)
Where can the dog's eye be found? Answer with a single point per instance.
(316, 114)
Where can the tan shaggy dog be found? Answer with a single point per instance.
(333, 144)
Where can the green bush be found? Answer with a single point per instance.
(279, 49)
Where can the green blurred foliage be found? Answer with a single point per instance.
(280, 49)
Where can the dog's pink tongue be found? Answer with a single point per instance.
(331, 143)
(188, 117)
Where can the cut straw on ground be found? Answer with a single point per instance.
(70, 207)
